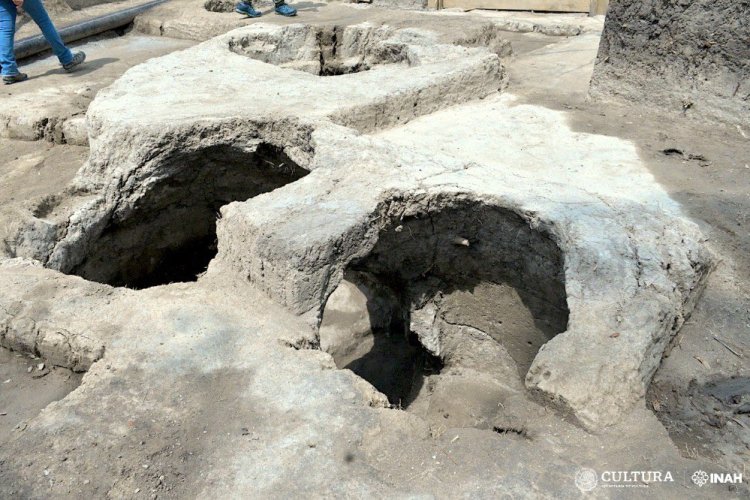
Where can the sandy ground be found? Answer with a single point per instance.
(711, 181)
(709, 177)
(27, 385)
(52, 103)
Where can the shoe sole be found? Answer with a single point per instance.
(70, 69)
(247, 15)
(11, 82)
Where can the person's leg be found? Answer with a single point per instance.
(7, 33)
(35, 9)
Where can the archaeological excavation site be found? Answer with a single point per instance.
(382, 249)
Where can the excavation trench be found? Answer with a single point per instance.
(447, 294)
(169, 233)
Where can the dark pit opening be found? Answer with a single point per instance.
(465, 286)
(366, 330)
(169, 233)
(397, 365)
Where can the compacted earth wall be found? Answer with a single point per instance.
(689, 56)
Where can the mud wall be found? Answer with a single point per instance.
(687, 56)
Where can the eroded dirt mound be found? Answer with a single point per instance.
(690, 57)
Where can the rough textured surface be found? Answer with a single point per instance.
(38, 110)
(210, 388)
(428, 76)
(201, 20)
(687, 57)
(200, 394)
(624, 289)
(628, 276)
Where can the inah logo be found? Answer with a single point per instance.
(586, 479)
(700, 477)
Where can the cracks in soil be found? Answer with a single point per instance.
(518, 431)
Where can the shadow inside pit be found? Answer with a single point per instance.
(397, 364)
(479, 270)
(168, 233)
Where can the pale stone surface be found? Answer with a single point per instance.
(210, 384)
(623, 273)
(53, 107)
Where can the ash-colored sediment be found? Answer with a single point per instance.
(219, 372)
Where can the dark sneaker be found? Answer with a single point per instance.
(78, 59)
(247, 9)
(11, 79)
(283, 9)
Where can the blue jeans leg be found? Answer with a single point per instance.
(38, 13)
(7, 32)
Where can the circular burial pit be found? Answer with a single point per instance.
(448, 310)
(322, 50)
(169, 233)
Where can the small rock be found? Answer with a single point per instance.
(40, 366)
(219, 6)
(137, 490)
(717, 421)
(8, 381)
(28, 370)
(86, 481)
